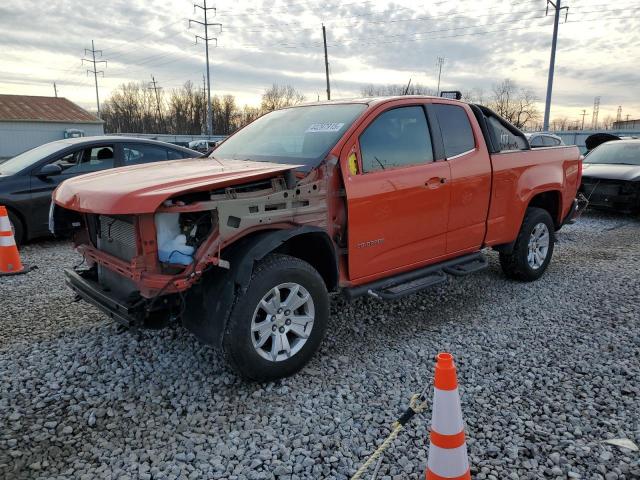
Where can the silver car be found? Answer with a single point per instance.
(543, 139)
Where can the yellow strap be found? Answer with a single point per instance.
(416, 406)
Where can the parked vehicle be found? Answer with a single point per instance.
(27, 180)
(612, 176)
(543, 139)
(202, 146)
(379, 197)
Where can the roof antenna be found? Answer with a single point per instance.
(406, 90)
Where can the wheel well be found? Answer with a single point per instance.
(316, 249)
(549, 201)
(16, 212)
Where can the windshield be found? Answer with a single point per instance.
(299, 135)
(24, 160)
(614, 152)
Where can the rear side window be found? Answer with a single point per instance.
(536, 142)
(504, 138)
(176, 155)
(457, 134)
(137, 153)
(550, 141)
(397, 138)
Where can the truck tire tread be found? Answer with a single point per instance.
(237, 350)
(514, 264)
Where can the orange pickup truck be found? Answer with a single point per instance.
(380, 197)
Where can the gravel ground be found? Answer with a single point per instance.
(548, 371)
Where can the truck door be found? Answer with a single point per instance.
(468, 158)
(398, 194)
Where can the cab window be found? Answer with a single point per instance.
(396, 138)
(457, 135)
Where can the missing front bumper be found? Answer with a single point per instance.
(88, 289)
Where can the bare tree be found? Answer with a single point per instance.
(607, 123)
(474, 95)
(372, 90)
(515, 104)
(560, 124)
(280, 96)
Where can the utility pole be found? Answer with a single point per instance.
(55, 89)
(326, 61)
(95, 71)
(584, 112)
(206, 39)
(594, 115)
(439, 63)
(155, 88)
(552, 61)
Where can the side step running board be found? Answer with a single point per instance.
(467, 267)
(407, 288)
(407, 283)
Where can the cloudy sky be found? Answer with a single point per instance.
(265, 42)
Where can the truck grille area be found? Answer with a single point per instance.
(117, 237)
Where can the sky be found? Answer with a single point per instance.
(369, 42)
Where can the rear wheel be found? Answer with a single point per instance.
(275, 328)
(533, 249)
(17, 227)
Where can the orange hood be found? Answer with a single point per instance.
(142, 188)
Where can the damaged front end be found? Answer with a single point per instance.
(616, 194)
(139, 266)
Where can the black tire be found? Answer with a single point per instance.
(515, 265)
(237, 342)
(18, 227)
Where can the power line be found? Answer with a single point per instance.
(439, 63)
(206, 40)
(552, 62)
(326, 61)
(95, 71)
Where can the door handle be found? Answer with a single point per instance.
(435, 182)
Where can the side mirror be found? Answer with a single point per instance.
(49, 170)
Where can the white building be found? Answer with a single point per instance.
(28, 121)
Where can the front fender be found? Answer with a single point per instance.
(209, 303)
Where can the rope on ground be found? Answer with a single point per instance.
(416, 405)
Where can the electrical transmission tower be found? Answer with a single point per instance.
(439, 64)
(594, 115)
(95, 71)
(619, 115)
(206, 39)
(552, 61)
(153, 85)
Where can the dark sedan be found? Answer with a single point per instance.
(27, 180)
(611, 176)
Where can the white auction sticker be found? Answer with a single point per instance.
(324, 127)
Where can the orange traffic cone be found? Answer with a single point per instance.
(448, 458)
(9, 257)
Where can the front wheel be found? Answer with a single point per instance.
(533, 248)
(275, 328)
